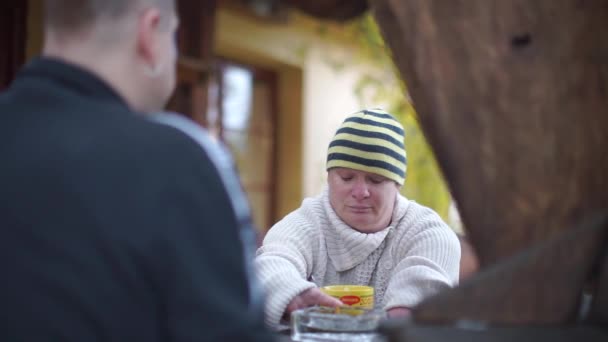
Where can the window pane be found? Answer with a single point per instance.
(238, 85)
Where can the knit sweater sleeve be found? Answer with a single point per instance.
(285, 262)
(427, 260)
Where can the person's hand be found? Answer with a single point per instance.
(399, 312)
(312, 297)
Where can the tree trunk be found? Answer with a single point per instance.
(513, 97)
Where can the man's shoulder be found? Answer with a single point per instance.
(161, 143)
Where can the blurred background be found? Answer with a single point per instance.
(273, 84)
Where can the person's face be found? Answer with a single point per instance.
(363, 200)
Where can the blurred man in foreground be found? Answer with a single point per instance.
(113, 227)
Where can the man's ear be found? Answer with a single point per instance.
(147, 39)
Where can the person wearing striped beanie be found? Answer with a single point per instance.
(367, 153)
(360, 230)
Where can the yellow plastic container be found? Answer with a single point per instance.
(355, 296)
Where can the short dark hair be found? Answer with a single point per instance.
(72, 15)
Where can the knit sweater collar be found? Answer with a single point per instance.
(348, 247)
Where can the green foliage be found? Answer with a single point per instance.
(424, 182)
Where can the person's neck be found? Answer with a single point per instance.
(109, 67)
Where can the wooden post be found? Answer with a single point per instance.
(196, 62)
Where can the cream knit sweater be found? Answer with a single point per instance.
(415, 257)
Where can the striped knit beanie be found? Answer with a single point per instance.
(371, 141)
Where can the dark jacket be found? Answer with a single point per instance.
(112, 228)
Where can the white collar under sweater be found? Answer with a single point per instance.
(349, 246)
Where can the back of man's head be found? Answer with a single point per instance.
(128, 43)
(69, 16)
